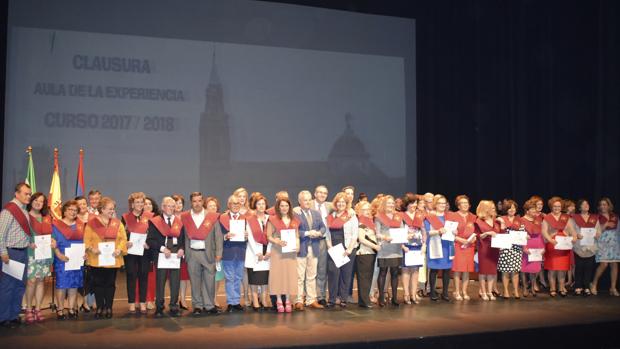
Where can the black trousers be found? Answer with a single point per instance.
(161, 275)
(393, 280)
(104, 285)
(137, 268)
(584, 269)
(365, 266)
(445, 280)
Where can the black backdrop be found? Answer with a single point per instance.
(514, 97)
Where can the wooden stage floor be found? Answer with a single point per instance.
(529, 322)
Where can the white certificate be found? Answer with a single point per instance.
(261, 265)
(519, 237)
(106, 257)
(137, 247)
(450, 227)
(588, 236)
(174, 262)
(237, 230)
(14, 269)
(44, 247)
(536, 255)
(338, 256)
(75, 253)
(502, 241)
(564, 243)
(414, 258)
(197, 244)
(289, 236)
(399, 235)
(436, 249)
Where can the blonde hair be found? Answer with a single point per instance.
(247, 196)
(338, 197)
(105, 201)
(483, 209)
(135, 196)
(374, 204)
(437, 197)
(608, 201)
(383, 202)
(167, 199)
(360, 206)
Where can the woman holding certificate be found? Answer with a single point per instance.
(38, 267)
(559, 236)
(416, 245)
(105, 240)
(464, 246)
(509, 261)
(486, 228)
(282, 232)
(608, 246)
(391, 235)
(366, 254)
(137, 260)
(587, 228)
(69, 236)
(342, 237)
(258, 251)
(531, 262)
(439, 252)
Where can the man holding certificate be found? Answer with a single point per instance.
(204, 245)
(232, 225)
(14, 240)
(166, 238)
(138, 258)
(105, 241)
(557, 261)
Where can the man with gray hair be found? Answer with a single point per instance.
(321, 204)
(311, 230)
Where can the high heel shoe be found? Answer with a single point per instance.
(458, 296)
(60, 315)
(84, 309)
(407, 299)
(614, 292)
(99, 314)
(483, 296)
(30, 319)
(38, 316)
(108, 313)
(72, 314)
(593, 289)
(182, 306)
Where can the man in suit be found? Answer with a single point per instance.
(320, 204)
(166, 236)
(311, 230)
(204, 244)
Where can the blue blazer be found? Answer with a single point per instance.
(318, 225)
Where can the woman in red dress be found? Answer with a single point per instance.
(557, 262)
(486, 227)
(464, 245)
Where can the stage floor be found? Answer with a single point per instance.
(501, 323)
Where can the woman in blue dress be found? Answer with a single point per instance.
(439, 253)
(67, 233)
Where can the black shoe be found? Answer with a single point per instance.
(99, 314)
(563, 294)
(395, 303)
(108, 313)
(174, 311)
(197, 312)
(364, 306)
(229, 309)
(182, 306)
(213, 311)
(11, 324)
(159, 313)
(323, 302)
(84, 309)
(238, 307)
(72, 314)
(434, 298)
(445, 297)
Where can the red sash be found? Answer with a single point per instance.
(416, 222)
(134, 226)
(532, 227)
(515, 225)
(337, 222)
(257, 230)
(612, 217)
(19, 216)
(434, 221)
(105, 233)
(41, 228)
(392, 223)
(481, 224)
(271, 211)
(225, 219)
(591, 223)
(279, 224)
(466, 224)
(198, 233)
(367, 221)
(67, 232)
(540, 218)
(164, 229)
(559, 224)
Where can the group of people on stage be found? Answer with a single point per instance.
(297, 256)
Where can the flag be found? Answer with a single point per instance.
(79, 183)
(30, 179)
(55, 197)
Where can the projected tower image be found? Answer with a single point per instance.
(348, 161)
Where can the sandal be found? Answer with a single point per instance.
(614, 292)
(553, 293)
(288, 308)
(407, 299)
(132, 308)
(593, 289)
(60, 315)
(280, 307)
(37, 315)
(30, 318)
